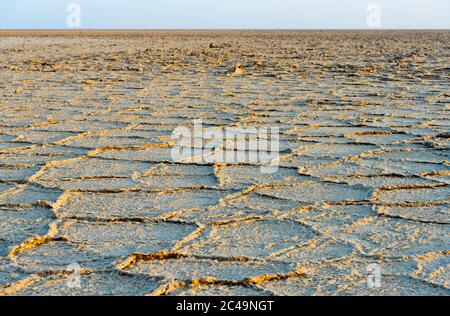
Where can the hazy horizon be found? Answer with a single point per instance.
(225, 15)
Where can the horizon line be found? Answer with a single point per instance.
(222, 29)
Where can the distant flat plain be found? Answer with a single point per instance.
(87, 179)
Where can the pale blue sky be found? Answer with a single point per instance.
(267, 14)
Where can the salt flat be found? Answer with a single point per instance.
(87, 176)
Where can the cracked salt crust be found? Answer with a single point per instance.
(86, 174)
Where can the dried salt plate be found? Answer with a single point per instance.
(395, 237)
(137, 205)
(427, 213)
(220, 290)
(316, 192)
(220, 268)
(92, 167)
(252, 238)
(349, 277)
(20, 224)
(110, 283)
